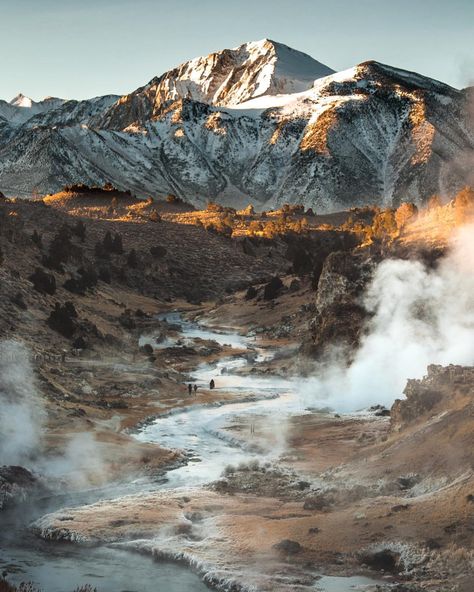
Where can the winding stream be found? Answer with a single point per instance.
(197, 431)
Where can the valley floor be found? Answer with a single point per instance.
(343, 496)
(251, 484)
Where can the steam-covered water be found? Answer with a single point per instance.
(200, 432)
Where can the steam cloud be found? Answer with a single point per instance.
(420, 317)
(22, 418)
(21, 410)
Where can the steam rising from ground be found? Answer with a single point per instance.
(420, 317)
(21, 411)
(22, 418)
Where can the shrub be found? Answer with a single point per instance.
(273, 288)
(117, 246)
(79, 229)
(223, 227)
(154, 216)
(302, 260)
(43, 282)
(384, 225)
(5, 586)
(251, 293)
(255, 226)
(173, 199)
(62, 319)
(79, 343)
(86, 279)
(109, 244)
(404, 213)
(104, 275)
(248, 211)
(37, 238)
(158, 251)
(18, 300)
(61, 250)
(464, 205)
(132, 259)
(214, 207)
(126, 319)
(100, 252)
(292, 209)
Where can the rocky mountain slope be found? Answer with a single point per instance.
(260, 123)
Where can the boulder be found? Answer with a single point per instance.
(288, 546)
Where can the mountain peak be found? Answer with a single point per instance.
(253, 69)
(22, 101)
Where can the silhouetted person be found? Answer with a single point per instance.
(190, 389)
(212, 384)
(195, 388)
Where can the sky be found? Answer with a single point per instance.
(84, 48)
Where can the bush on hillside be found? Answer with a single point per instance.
(251, 293)
(79, 229)
(405, 212)
(44, 283)
(173, 199)
(158, 251)
(61, 250)
(63, 319)
(37, 238)
(464, 205)
(132, 259)
(273, 288)
(85, 279)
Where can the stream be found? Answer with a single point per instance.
(197, 431)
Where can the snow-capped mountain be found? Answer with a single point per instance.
(22, 108)
(226, 77)
(260, 123)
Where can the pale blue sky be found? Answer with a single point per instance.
(84, 48)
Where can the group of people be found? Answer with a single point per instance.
(194, 387)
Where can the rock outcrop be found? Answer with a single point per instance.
(443, 387)
(340, 315)
(17, 485)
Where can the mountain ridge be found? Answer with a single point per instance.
(223, 127)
